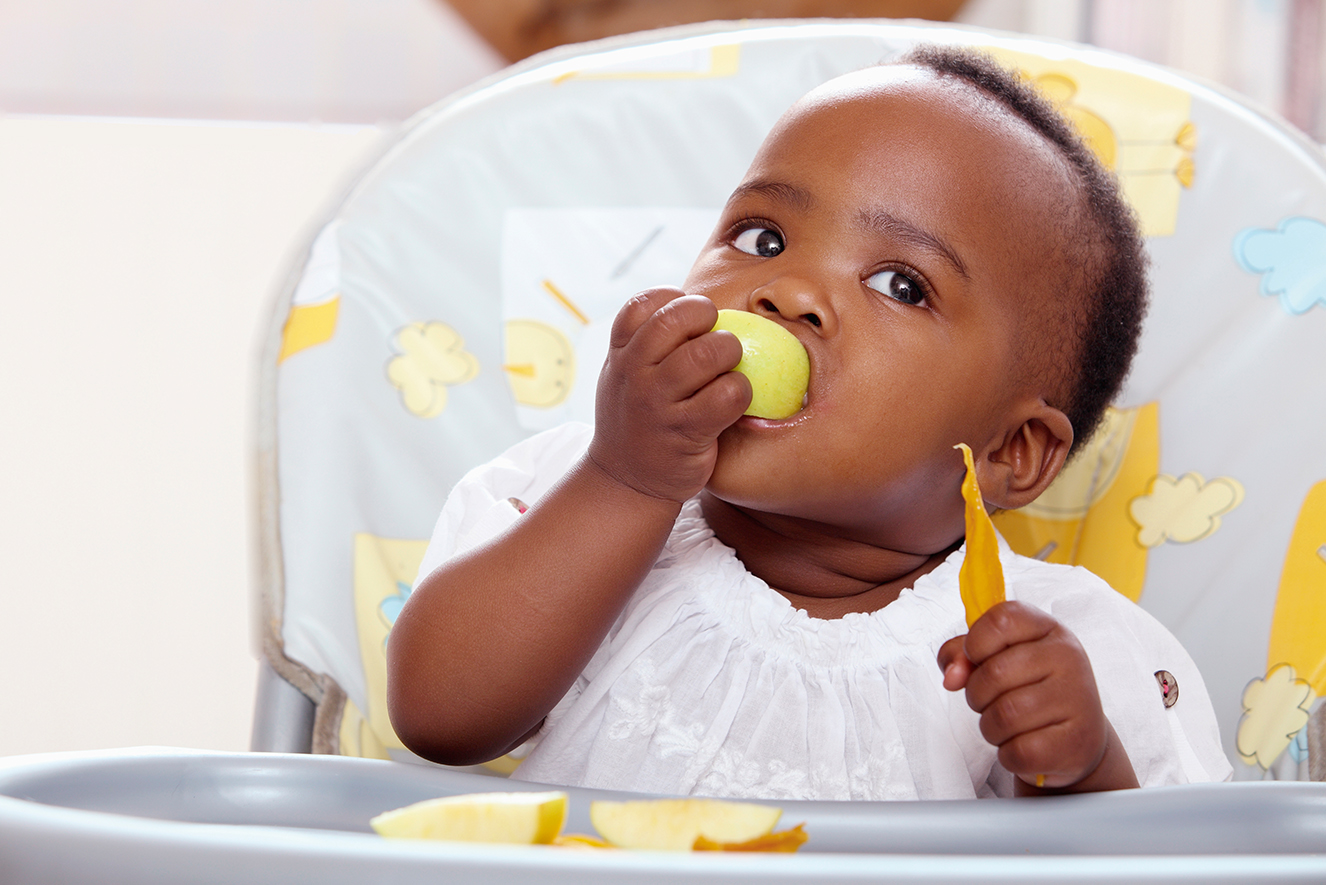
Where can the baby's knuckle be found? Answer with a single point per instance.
(1003, 617)
(997, 669)
(633, 313)
(1018, 755)
(725, 349)
(1032, 751)
(708, 350)
(1004, 713)
(992, 731)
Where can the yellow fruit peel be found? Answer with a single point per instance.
(526, 818)
(786, 841)
(580, 840)
(981, 578)
(675, 824)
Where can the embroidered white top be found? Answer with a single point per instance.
(711, 683)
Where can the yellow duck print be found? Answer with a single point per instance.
(540, 363)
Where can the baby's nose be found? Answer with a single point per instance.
(794, 300)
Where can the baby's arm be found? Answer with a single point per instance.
(492, 639)
(1031, 681)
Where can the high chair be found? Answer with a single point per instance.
(459, 299)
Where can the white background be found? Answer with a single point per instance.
(138, 258)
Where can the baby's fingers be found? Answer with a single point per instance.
(715, 406)
(1056, 755)
(676, 320)
(696, 362)
(1023, 710)
(637, 310)
(1005, 625)
(954, 663)
(1026, 663)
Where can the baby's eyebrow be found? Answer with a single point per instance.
(781, 191)
(890, 225)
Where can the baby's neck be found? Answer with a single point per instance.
(818, 571)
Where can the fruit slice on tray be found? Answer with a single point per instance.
(522, 818)
(684, 824)
(536, 818)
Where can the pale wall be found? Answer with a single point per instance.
(137, 260)
(137, 263)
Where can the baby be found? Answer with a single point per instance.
(703, 602)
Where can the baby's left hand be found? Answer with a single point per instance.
(1031, 681)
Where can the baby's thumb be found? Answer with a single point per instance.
(954, 663)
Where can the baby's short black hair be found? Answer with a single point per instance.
(1111, 277)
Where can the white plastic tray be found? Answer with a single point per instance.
(157, 815)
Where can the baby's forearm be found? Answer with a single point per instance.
(492, 639)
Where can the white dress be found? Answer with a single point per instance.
(711, 683)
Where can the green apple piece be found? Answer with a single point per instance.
(675, 824)
(533, 818)
(773, 359)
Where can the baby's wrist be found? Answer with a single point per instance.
(1113, 770)
(619, 485)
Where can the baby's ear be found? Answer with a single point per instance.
(1028, 459)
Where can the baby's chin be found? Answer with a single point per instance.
(899, 519)
(738, 482)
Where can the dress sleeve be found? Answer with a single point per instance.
(489, 498)
(1183, 705)
(1149, 686)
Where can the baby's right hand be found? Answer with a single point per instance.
(665, 393)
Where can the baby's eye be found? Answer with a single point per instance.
(759, 241)
(899, 287)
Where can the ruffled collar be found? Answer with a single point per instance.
(925, 614)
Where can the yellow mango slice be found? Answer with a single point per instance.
(580, 840)
(675, 824)
(534, 818)
(783, 841)
(981, 578)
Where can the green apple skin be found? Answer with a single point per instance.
(773, 359)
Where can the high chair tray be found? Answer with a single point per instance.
(151, 815)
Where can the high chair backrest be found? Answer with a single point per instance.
(460, 297)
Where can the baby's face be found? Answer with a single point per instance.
(904, 231)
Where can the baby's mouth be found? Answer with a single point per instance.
(795, 418)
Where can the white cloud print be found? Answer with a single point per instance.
(1291, 260)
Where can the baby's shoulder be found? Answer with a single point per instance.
(1033, 578)
(1081, 600)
